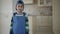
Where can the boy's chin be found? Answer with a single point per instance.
(20, 10)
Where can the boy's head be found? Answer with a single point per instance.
(20, 6)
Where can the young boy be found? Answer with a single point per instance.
(19, 8)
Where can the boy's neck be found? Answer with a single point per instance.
(19, 13)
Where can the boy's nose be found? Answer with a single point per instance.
(20, 7)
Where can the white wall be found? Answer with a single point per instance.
(6, 12)
(0, 16)
(56, 16)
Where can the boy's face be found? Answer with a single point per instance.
(20, 8)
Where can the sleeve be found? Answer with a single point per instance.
(11, 22)
(26, 19)
(27, 25)
(11, 30)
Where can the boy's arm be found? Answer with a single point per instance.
(11, 22)
(11, 30)
(27, 25)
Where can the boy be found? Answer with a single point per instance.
(19, 8)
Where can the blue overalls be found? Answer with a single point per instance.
(19, 25)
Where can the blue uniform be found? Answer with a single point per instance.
(19, 25)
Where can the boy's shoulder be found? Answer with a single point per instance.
(14, 13)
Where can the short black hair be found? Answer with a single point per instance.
(20, 2)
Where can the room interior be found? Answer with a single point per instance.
(44, 16)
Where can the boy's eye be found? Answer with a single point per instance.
(19, 6)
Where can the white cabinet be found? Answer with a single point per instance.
(28, 1)
(44, 2)
(41, 24)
